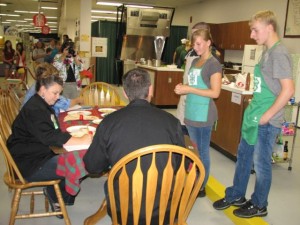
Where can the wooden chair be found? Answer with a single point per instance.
(5, 128)
(14, 180)
(9, 105)
(100, 94)
(179, 189)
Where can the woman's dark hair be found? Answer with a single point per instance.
(46, 75)
(21, 45)
(136, 83)
(5, 45)
(67, 44)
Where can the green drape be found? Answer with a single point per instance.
(105, 67)
(173, 41)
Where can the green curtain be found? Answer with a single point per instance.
(105, 67)
(173, 41)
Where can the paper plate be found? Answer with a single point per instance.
(79, 131)
(86, 113)
(107, 110)
(97, 121)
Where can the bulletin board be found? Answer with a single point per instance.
(99, 47)
(292, 20)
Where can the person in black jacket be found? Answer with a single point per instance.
(137, 125)
(34, 130)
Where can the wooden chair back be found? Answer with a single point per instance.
(178, 191)
(9, 104)
(14, 180)
(100, 94)
(5, 128)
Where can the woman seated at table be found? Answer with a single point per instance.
(62, 103)
(34, 130)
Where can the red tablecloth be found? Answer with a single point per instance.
(95, 112)
(70, 164)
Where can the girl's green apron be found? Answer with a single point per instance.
(262, 100)
(196, 107)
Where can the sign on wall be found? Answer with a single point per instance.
(99, 47)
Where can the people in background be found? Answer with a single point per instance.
(55, 46)
(65, 38)
(8, 56)
(183, 53)
(203, 85)
(69, 65)
(34, 130)
(62, 103)
(38, 53)
(176, 56)
(137, 125)
(20, 61)
(48, 58)
(262, 120)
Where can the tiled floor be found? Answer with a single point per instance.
(283, 199)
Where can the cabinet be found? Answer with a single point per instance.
(164, 81)
(233, 35)
(164, 85)
(227, 135)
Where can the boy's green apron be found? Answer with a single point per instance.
(262, 100)
(196, 107)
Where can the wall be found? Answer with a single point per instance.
(222, 11)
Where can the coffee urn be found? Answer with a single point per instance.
(159, 43)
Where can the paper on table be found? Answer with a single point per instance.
(74, 107)
(70, 148)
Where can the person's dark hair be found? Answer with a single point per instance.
(136, 83)
(21, 47)
(5, 46)
(70, 45)
(42, 71)
(48, 50)
(47, 80)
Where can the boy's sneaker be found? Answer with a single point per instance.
(54, 206)
(249, 210)
(223, 204)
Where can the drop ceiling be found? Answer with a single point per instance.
(24, 20)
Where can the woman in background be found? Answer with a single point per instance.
(8, 56)
(20, 60)
(203, 85)
(69, 65)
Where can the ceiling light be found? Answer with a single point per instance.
(109, 3)
(104, 11)
(31, 12)
(140, 6)
(103, 17)
(3, 4)
(4, 14)
(46, 7)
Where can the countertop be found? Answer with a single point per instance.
(234, 89)
(160, 68)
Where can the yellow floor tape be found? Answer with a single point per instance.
(215, 191)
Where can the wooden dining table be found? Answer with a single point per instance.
(70, 163)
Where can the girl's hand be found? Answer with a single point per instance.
(181, 89)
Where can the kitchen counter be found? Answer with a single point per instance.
(231, 105)
(164, 80)
(232, 88)
(160, 68)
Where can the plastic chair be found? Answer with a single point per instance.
(178, 191)
(14, 180)
(100, 94)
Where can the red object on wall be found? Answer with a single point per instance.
(45, 29)
(39, 20)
